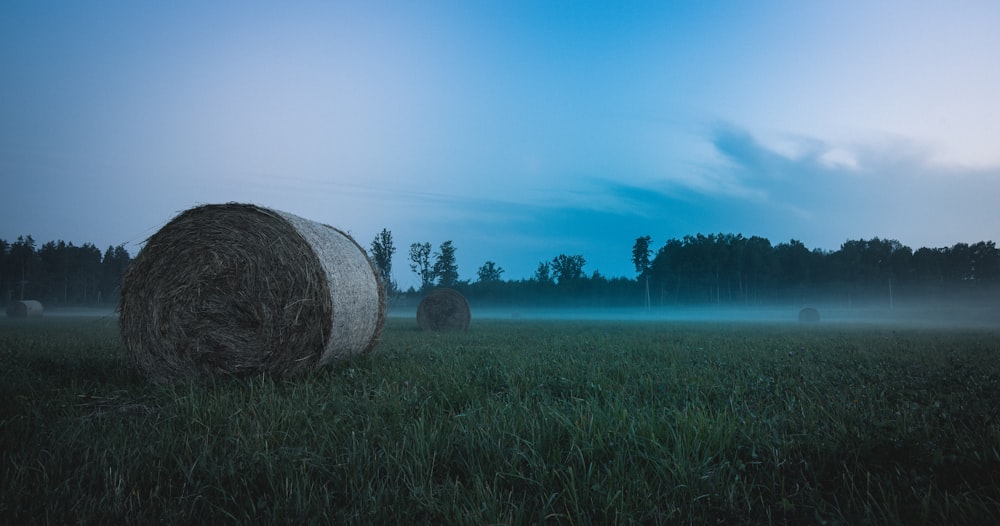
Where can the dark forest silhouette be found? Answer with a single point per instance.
(60, 273)
(714, 269)
(730, 269)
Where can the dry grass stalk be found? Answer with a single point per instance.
(809, 314)
(241, 289)
(25, 309)
(444, 309)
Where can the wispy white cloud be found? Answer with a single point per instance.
(886, 189)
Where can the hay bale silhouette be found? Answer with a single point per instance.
(809, 314)
(444, 310)
(25, 309)
(239, 289)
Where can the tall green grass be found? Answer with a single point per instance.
(516, 422)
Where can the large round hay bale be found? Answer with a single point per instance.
(809, 314)
(444, 310)
(25, 309)
(241, 289)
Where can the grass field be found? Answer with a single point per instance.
(516, 422)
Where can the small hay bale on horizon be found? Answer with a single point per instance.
(239, 289)
(809, 314)
(25, 309)
(444, 310)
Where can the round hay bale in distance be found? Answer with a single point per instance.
(809, 314)
(25, 309)
(241, 289)
(444, 310)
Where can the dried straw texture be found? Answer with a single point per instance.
(241, 289)
(809, 314)
(442, 310)
(25, 309)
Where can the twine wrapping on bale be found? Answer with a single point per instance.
(241, 289)
(443, 309)
(25, 309)
(809, 314)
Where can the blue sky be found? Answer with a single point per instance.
(518, 130)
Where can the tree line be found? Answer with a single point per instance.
(696, 269)
(60, 273)
(720, 268)
(728, 268)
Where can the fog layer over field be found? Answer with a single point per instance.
(930, 315)
(941, 314)
(79, 311)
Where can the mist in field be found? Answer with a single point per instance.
(80, 312)
(929, 314)
(940, 314)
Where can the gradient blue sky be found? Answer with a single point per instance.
(519, 130)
